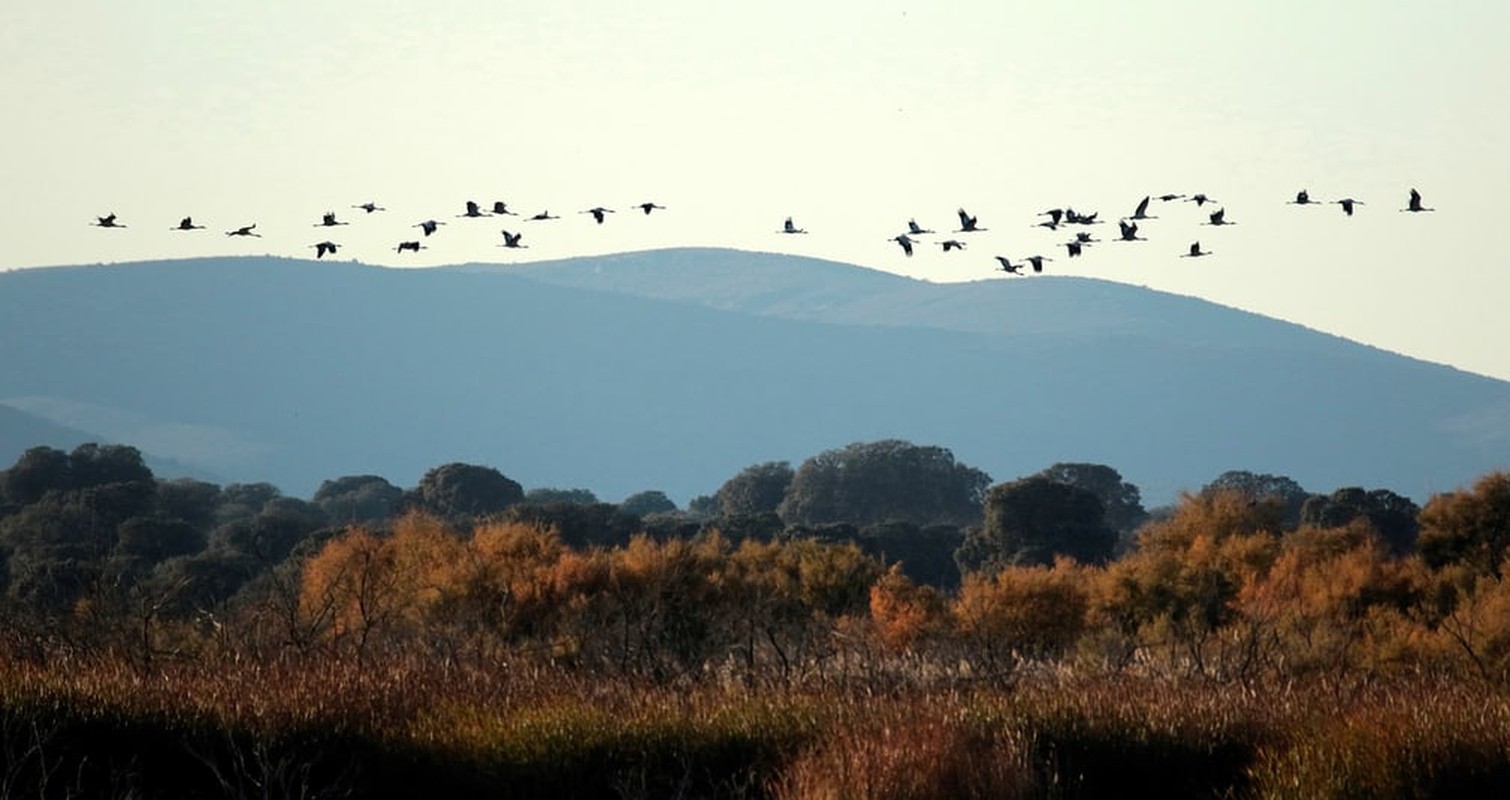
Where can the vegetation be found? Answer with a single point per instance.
(468, 638)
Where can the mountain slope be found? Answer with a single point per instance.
(675, 377)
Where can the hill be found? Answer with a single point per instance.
(673, 370)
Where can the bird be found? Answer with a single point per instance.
(1141, 212)
(789, 227)
(411, 246)
(322, 248)
(1130, 231)
(915, 229)
(1302, 198)
(1008, 266)
(1195, 251)
(244, 230)
(597, 213)
(1347, 204)
(107, 221)
(906, 242)
(1167, 197)
(544, 215)
(1199, 199)
(1084, 237)
(1054, 215)
(952, 244)
(329, 220)
(1080, 219)
(1415, 203)
(1073, 248)
(474, 210)
(512, 240)
(649, 207)
(502, 208)
(1218, 217)
(1037, 262)
(967, 223)
(187, 224)
(429, 226)
(369, 207)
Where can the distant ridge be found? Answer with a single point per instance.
(675, 369)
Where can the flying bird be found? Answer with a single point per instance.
(1037, 262)
(474, 210)
(323, 248)
(245, 230)
(915, 229)
(107, 221)
(329, 220)
(429, 226)
(1054, 215)
(789, 227)
(187, 224)
(906, 242)
(1195, 251)
(1084, 237)
(1167, 197)
(1008, 266)
(649, 207)
(501, 208)
(1080, 219)
(411, 246)
(1130, 231)
(1073, 248)
(1199, 200)
(1415, 203)
(370, 207)
(512, 240)
(1141, 212)
(597, 213)
(544, 215)
(1218, 217)
(1347, 204)
(1302, 198)
(952, 244)
(967, 223)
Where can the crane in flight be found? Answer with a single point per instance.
(1195, 251)
(1008, 267)
(245, 230)
(511, 240)
(1218, 217)
(914, 229)
(649, 207)
(107, 221)
(369, 207)
(414, 247)
(1347, 204)
(328, 220)
(544, 215)
(790, 227)
(967, 223)
(1037, 262)
(428, 226)
(1141, 212)
(1129, 232)
(1302, 198)
(187, 224)
(952, 244)
(474, 210)
(325, 248)
(1415, 203)
(906, 242)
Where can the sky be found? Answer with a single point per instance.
(849, 117)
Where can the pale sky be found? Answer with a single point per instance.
(849, 117)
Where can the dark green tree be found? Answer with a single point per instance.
(757, 489)
(581, 497)
(458, 491)
(596, 525)
(192, 501)
(355, 499)
(1290, 495)
(1390, 514)
(649, 502)
(1122, 500)
(884, 481)
(1031, 521)
(38, 471)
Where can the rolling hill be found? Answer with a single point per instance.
(673, 370)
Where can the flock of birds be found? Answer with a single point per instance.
(908, 240)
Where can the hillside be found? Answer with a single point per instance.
(672, 370)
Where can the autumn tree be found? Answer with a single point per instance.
(1290, 495)
(872, 482)
(1033, 612)
(1469, 527)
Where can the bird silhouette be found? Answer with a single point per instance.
(915, 229)
(1054, 215)
(501, 208)
(1073, 248)
(1302, 198)
(1195, 251)
(1079, 219)
(1218, 217)
(967, 223)
(187, 224)
(1037, 262)
(789, 227)
(245, 230)
(322, 248)
(1129, 231)
(1415, 203)
(428, 226)
(107, 221)
(598, 213)
(511, 240)
(1167, 197)
(474, 210)
(369, 207)
(1141, 212)
(1008, 266)
(1084, 237)
(544, 215)
(410, 246)
(1347, 204)
(1199, 200)
(328, 220)
(649, 207)
(952, 244)
(906, 242)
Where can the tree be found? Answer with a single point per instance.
(644, 503)
(192, 501)
(459, 490)
(1392, 516)
(1290, 494)
(1031, 521)
(1471, 527)
(38, 471)
(755, 490)
(890, 480)
(357, 499)
(1122, 500)
(99, 465)
(581, 497)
